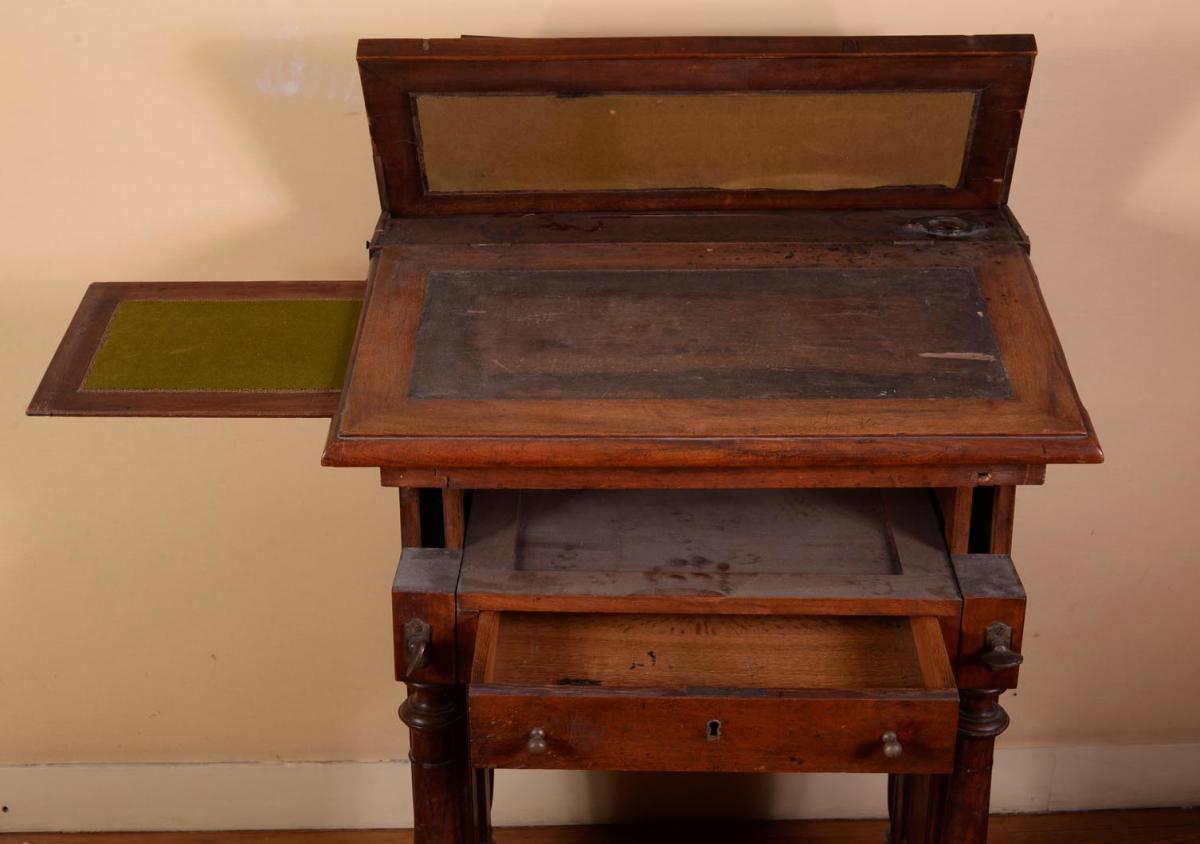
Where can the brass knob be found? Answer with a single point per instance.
(999, 655)
(891, 745)
(949, 227)
(418, 636)
(537, 741)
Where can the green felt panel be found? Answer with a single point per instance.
(250, 345)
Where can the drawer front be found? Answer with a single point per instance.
(639, 731)
(719, 693)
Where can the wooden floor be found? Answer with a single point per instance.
(1149, 826)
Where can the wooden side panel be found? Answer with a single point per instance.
(955, 504)
(991, 592)
(424, 589)
(255, 348)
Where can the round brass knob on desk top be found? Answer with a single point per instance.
(891, 745)
(537, 740)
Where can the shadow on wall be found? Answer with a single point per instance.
(643, 797)
(300, 105)
(1115, 247)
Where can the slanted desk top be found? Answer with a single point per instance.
(655, 328)
(602, 259)
(722, 354)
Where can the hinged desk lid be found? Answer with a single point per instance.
(704, 355)
(494, 125)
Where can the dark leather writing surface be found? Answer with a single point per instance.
(697, 334)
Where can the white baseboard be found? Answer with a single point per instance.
(333, 795)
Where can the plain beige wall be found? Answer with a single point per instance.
(203, 590)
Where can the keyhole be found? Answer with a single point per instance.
(714, 730)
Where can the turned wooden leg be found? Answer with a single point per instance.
(895, 803)
(484, 781)
(442, 783)
(915, 807)
(980, 720)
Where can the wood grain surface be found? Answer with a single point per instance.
(1041, 421)
(736, 531)
(706, 335)
(814, 552)
(731, 652)
(854, 225)
(817, 477)
(814, 731)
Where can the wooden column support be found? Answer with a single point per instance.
(410, 518)
(981, 719)
(1004, 504)
(448, 805)
(453, 517)
(485, 782)
(435, 715)
(991, 592)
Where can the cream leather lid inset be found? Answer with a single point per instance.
(490, 143)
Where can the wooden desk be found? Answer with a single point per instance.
(706, 369)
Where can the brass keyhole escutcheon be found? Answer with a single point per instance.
(714, 730)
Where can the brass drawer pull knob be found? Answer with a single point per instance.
(891, 745)
(537, 740)
(999, 655)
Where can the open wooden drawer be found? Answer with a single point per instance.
(712, 693)
(732, 552)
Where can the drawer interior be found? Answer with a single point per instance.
(696, 530)
(777, 551)
(688, 692)
(695, 653)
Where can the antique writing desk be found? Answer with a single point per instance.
(707, 369)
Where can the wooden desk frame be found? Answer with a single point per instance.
(969, 450)
(453, 799)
